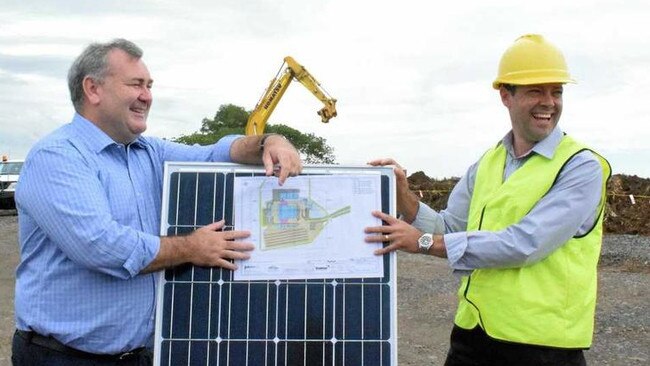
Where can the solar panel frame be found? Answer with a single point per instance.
(301, 322)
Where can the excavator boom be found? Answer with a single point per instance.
(276, 89)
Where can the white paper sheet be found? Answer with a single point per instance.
(310, 227)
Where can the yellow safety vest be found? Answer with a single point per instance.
(549, 303)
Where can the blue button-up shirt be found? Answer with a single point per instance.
(89, 218)
(569, 208)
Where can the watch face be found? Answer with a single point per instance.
(425, 242)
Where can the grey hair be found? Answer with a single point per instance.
(93, 62)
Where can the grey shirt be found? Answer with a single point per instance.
(569, 208)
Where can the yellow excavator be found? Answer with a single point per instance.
(257, 119)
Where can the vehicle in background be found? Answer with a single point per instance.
(9, 172)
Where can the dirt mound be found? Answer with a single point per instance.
(431, 191)
(627, 211)
(628, 205)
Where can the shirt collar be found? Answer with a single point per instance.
(545, 148)
(96, 139)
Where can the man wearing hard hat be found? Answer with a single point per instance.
(522, 228)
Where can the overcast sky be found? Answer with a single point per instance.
(412, 78)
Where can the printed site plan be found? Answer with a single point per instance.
(310, 227)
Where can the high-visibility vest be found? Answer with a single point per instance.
(551, 302)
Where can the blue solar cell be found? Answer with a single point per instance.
(205, 208)
(206, 318)
(200, 311)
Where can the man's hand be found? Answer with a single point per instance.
(407, 201)
(210, 247)
(277, 154)
(280, 158)
(207, 247)
(401, 235)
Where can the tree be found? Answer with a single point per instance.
(231, 119)
(228, 116)
(314, 149)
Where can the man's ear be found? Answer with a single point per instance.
(91, 90)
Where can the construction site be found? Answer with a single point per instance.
(426, 289)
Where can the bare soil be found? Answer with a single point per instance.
(8, 260)
(427, 304)
(628, 205)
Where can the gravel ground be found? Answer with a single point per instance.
(427, 301)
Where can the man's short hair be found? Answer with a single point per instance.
(93, 62)
(510, 88)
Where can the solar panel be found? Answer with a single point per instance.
(204, 317)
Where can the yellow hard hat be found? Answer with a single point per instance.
(532, 60)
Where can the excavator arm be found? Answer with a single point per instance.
(258, 118)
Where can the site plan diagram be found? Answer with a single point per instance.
(310, 227)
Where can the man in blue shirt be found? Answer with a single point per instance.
(89, 204)
(522, 228)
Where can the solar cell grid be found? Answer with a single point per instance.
(206, 318)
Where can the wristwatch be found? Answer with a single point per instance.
(263, 140)
(425, 242)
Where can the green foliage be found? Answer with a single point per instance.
(231, 120)
(228, 116)
(314, 149)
